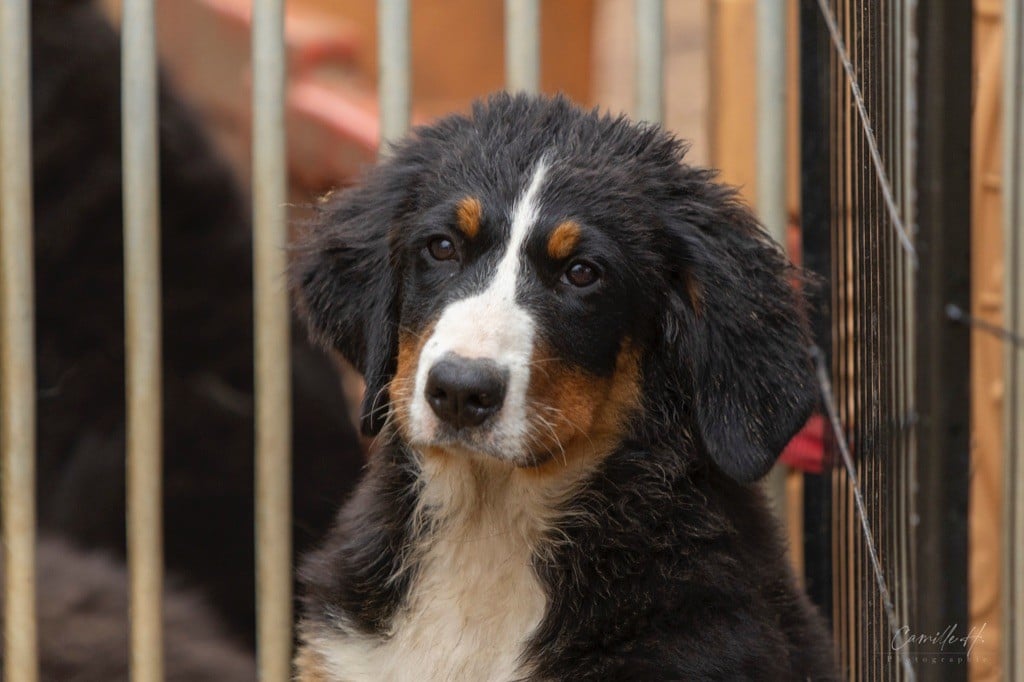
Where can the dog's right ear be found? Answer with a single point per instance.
(347, 282)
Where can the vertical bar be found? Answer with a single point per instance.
(140, 150)
(771, 156)
(1013, 235)
(817, 193)
(908, 127)
(17, 359)
(522, 45)
(650, 58)
(394, 86)
(771, 116)
(273, 366)
(943, 349)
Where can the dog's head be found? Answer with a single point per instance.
(533, 279)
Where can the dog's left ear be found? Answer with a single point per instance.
(347, 282)
(740, 333)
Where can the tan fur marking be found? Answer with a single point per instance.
(404, 382)
(309, 665)
(563, 239)
(468, 215)
(694, 292)
(584, 414)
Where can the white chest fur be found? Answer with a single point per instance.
(475, 600)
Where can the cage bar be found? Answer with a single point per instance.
(140, 150)
(17, 357)
(650, 60)
(771, 156)
(273, 362)
(394, 85)
(1013, 235)
(771, 116)
(522, 45)
(817, 254)
(943, 349)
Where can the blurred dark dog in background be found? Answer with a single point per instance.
(207, 332)
(85, 633)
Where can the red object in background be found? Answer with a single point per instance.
(806, 451)
(331, 113)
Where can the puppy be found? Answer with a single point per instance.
(579, 353)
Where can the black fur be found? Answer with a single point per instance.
(676, 569)
(207, 330)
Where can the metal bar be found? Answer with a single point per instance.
(522, 45)
(393, 51)
(140, 150)
(1013, 236)
(771, 116)
(273, 365)
(17, 359)
(943, 351)
(908, 158)
(817, 192)
(771, 149)
(650, 60)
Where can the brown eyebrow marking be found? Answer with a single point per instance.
(563, 239)
(467, 215)
(694, 292)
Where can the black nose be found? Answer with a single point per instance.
(465, 392)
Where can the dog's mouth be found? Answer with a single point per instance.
(473, 444)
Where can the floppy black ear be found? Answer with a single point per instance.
(347, 282)
(741, 333)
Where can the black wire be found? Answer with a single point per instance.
(958, 314)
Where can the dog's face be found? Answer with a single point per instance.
(515, 321)
(534, 281)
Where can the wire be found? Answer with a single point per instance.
(957, 314)
(851, 472)
(869, 135)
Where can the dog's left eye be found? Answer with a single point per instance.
(581, 274)
(442, 248)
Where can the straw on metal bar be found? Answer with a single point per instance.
(273, 366)
(394, 86)
(17, 362)
(522, 45)
(140, 149)
(649, 24)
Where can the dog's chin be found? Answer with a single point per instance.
(482, 446)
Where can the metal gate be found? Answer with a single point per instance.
(885, 120)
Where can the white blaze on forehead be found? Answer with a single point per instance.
(524, 215)
(490, 325)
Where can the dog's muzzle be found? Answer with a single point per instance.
(465, 392)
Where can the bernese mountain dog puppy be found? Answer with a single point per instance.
(579, 353)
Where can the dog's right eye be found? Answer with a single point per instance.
(442, 248)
